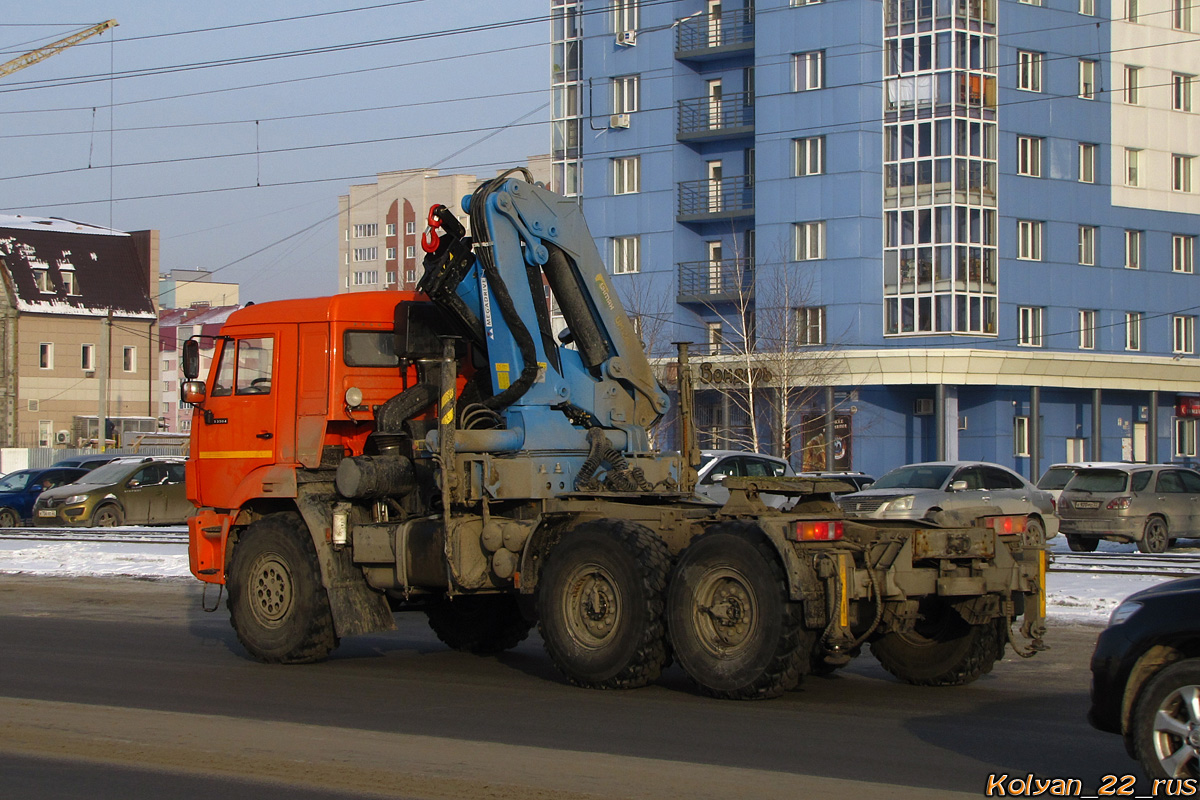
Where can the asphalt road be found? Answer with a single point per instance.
(115, 687)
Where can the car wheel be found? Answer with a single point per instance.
(1165, 726)
(1082, 544)
(9, 518)
(1154, 536)
(1035, 527)
(107, 516)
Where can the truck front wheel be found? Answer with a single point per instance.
(942, 649)
(600, 604)
(481, 624)
(277, 603)
(732, 627)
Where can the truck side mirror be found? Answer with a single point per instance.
(192, 392)
(191, 359)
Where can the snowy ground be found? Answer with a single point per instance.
(1074, 597)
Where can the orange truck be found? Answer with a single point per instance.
(462, 452)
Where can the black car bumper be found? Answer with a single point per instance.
(1112, 661)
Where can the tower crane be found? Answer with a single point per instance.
(42, 53)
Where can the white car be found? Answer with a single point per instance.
(717, 465)
(1056, 475)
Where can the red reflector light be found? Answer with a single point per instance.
(1006, 525)
(823, 531)
(1119, 503)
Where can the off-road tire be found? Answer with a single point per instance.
(277, 603)
(732, 627)
(107, 516)
(600, 605)
(481, 624)
(1159, 745)
(1082, 544)
(943, 649)
(9, 518)
(1155, 537)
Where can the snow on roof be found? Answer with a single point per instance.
(57, 224)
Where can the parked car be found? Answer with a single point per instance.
(1056, 475)
(90, 461)
(952, 489)
(1150, 504)
(717, 465)
(19, 489)
(141, 492)
(1146, 678)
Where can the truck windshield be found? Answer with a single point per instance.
(369, 349)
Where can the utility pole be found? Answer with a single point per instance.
(105, 362)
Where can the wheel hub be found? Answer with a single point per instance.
(592, 606)
(272, 598)
(725, 612)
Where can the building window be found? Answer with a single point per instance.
(1131, 10)
(1181, 173)
(1029, 240)
(1020, 436)
(410, 276)
(715, 338)
(1132, 82)
(1133, 330)
(410, 228)
(368, 277)
(1029, 326)
(625, 94)
(1087, 79)
(1031, 2)
(809, 155)
(367, 230)
(1087, 163)
(45, 432)
(1181, 15)
(1029, 156)
(1133, 249)
(1087, 329)
(1181, 91)
(805, 2)
(68, 281)
(46, 355)
(391, 229)
(410, 252)
(42, 278)
(1183, 249)
(1087, 245)
(366, 253)
(810, 325)
(808, 70)
(1183, 339)
(389, 279)
(627, 175)
(1133, 160)
(391, 254)
(1087, 7)
(129, 359)
(1029, 71)
(1185, 438)
(810, 240)
(625, 15)
(627, 256)
(87, 357)
(1076, 449)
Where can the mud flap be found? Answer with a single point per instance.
(355, 606)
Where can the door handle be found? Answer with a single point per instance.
(263, 435)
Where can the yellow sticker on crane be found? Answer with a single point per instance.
(502, 381)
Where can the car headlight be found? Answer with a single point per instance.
(901, 503)
(76, 498)
(1123, 612)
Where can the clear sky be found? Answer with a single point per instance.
(233, 127)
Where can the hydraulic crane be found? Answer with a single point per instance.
(42, 53)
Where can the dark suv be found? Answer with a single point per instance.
(1146, 678)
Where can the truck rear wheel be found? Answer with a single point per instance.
(600, 604)
(481, 624)
(277, 603)
(732, 626)
(942, 649)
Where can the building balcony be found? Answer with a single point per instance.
(708, 282)
(705, 37)
(708, 118)
(714, 199)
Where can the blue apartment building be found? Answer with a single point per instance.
(900, 231)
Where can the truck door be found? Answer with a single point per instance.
(238, 423)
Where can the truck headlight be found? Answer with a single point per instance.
(1123, 612)
(901, 503)
(76, 498)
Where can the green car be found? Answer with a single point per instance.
(143, 492)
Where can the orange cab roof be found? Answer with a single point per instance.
(358, 306)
